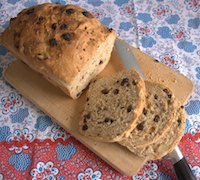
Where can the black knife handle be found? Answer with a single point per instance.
(183, 171)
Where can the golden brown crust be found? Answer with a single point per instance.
(55, 40)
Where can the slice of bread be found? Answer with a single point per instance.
(157, 117)
(166, 144)
(113, 106)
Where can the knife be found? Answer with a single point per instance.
(181, 167)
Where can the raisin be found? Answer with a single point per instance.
(156, 118)
(70, 11)
(53, 42)
(169, 96)
(117, 81)
(100, 62)
(166, 91)
(156, 60)
(125, 82)
(179, 122)
(145, 111)
(155, 96)
(41, 19)
(29, 11)
(87, 116)
(134, 83)
(85, 127)
(87, 99)
(78, 94)
(129, 109)
(87, 14)
(110, 29)
(116, 91)
(105, 91)
(140, 126)
(67, 36)
(63, 26)
(11, 19)
(54, 26)
(106, 120)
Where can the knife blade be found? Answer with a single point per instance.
(180, 164)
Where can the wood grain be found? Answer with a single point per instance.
(66, 112)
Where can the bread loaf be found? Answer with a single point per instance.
(113, 106)
(64, 43)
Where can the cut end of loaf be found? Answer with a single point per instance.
(94, 66)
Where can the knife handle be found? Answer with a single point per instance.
(183, 171)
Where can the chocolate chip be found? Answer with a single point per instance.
(179, 122)
(125, 82)
(155, 96)
(140, 126)
(182, 107)
(83, 49)
(116, 91)
(87, 116)
(145, 111)
(129, 108)
(53, 42)
(156, 60)
(106, 120)
(87, 14)
(63, 26)
(156, 118)
(29, 11)
(67, 36)
(105, 91)
(85, 127)
(87, 99)
(117, 81)
(70, 11)
(54, 26)
(40, 20)
(100, 62)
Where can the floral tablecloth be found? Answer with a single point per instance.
(32, 146)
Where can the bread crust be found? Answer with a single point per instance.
(56, 40)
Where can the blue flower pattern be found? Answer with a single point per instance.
(20, 161)
(65, 152)
(159, 25)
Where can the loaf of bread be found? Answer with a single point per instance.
(64, 43)
(113, 106)
(157, 117)
(166, 144)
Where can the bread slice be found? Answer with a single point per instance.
(113, 106)
(168, 143)
(157, 117)
(64, 43)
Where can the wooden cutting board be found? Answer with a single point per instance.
(66, 112)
